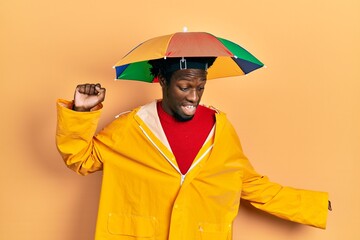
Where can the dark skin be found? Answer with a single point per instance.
(87, 96)
(182, 94)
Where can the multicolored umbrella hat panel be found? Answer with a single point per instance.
(231, 59)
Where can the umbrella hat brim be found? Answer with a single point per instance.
(231, 59)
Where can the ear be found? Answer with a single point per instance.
(162, 81)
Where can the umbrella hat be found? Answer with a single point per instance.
(231, 59)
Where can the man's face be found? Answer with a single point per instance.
(183, 93)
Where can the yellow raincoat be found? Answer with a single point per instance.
(145, 196)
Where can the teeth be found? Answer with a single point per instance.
(189, 106)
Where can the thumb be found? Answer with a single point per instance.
(101, 92)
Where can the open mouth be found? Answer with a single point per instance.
(189, 109)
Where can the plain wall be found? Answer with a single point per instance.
(298, 119)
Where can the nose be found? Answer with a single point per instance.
(193, 96)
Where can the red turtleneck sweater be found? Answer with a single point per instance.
(187, 137)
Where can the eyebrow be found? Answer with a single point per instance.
(190, 78)
(192, 83)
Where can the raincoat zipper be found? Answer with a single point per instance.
(182, 179)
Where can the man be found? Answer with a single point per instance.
(172, 169)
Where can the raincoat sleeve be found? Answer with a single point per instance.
(297, 205)
(74, 138)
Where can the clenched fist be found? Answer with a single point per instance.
(88, 96)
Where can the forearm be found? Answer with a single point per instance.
(298, 205)
(74, 138)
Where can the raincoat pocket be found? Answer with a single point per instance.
(214, 231)
(136, 227)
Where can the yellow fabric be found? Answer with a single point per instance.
(224, 67)
(151, 49)
(143, 196)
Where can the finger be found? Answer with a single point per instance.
(92, 90)
(87, 89)
(98, 88)
(101, 92)
(81, 88)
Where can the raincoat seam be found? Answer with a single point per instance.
(158, 148)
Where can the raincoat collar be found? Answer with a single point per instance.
(148, 120)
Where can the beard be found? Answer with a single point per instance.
(180, 118)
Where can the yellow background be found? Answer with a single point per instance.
(298, 119)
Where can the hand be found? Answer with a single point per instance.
(87, 96)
